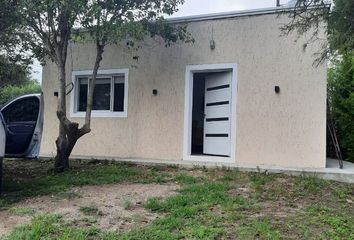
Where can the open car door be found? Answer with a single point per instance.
(23, 120)
(2, 137)
(2, 148)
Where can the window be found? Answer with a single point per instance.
(109, 97)
(23, 110)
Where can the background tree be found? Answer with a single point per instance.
(12, 73)
(341, 100)
(314, 15)
(311, 14)
(10, 92)
(15, 60)
(45, 28)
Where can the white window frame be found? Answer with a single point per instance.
(99, 113)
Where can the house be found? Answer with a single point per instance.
(242, 94)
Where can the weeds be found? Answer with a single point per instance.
(217, 204)
(89, 210)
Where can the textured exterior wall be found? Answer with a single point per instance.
(287, 130)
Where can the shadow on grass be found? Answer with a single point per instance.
(29, 178)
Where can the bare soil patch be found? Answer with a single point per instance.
(117, 206)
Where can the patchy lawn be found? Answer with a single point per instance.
(96, 200)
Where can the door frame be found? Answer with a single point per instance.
(188, 106)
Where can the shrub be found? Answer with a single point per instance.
(10, 92)
(341, 100)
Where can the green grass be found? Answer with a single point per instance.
(213, 204)
(43, 181)
(258, 228)
(89, 210)
(127, 203)
(22, 211)
(51, 227)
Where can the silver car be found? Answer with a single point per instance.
(2, 147)
(2, 138)
(21, 123)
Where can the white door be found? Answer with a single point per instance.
(217, 120)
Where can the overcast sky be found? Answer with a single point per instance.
(195, 7)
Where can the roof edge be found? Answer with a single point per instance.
(232, 14)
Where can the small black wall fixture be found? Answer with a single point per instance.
(277, 89)
(154, 92)
(71, 85)
(212, 44)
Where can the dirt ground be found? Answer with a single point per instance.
(113, 207)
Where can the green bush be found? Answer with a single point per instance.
(8, 93)
(341, 99)
(13, 73)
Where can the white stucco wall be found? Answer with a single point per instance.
(287, 130)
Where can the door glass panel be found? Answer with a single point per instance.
(23, 110)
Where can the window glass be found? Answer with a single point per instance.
(102, 94)
(23, 110)
(105, 97)
(83, 89)
(118, 104)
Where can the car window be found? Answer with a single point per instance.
(22, 110)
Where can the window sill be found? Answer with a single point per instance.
(100, 115)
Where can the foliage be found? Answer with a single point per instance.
(10, 92)
(341, 100)
(13, 73)
(11, 45)
(312, 16)
(6, 15)
(115, 22)
(341, 27)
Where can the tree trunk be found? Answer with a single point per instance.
(61, 162)
(66, 145)
(100, 50)
(69, 132)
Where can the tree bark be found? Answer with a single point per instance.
(100, 50)
(69, 132)
(61, 163)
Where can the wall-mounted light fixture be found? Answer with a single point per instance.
(154, 92)
(212, 41)
(212, 44)
(277, 89)
(56, 94)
